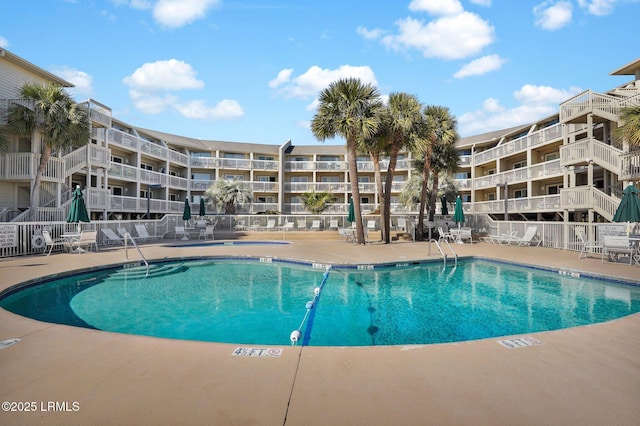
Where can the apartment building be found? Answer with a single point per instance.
(564, 167)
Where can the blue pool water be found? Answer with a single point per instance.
(262, 302)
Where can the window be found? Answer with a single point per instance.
(201, 154)
(329, 179)
(146, 166)
(520, 164)
(201, 176)
(299, 179)
(299, 159)
(551, 156)
(266, 178)
(491, 197)
(328, 158)
(232, 155)
(553, 189)
(363, 179)
(265, 200)
(265, 158)
(520, 193)
(116, 160)
(234, 177)
(173, 197)
(490, 172)
(364, 200)
(117, 190)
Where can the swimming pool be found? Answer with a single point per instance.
(262, 300)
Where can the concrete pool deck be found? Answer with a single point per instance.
(586, 375)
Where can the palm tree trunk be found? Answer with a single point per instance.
(355, 191)
(34, 201)
(423, 192)
(434, 195)
(393, 160)
(375, 157)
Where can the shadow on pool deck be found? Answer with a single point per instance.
(585, 375)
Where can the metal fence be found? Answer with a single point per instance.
(23, 238)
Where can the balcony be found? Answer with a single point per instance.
(523, 174)
(575, 109)
(548, 134)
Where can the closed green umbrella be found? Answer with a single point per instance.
(352, 212)
(629, 208)
(78, 210)
(444, 210)
(458, 215)
(186, 214)
(203, 209)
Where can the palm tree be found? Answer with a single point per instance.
(47, 111)
(444, 159)
(350, 109)
(438, 127)
(226, 195)
(376, 147)
(316, 202)
(630, 128)
(404, 114)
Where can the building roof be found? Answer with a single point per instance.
(630, 69)
(490, 137)
(22, 63)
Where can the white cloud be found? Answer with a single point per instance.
(82, 81)
(315, 79)
(597, 7)
(367, 34)
(178, 13)
(535, 102)
(450, 37)
(480, 66)
(283, 77)
(226, 109)
(538, 95)
(149, 103)
(436, 7)
(4, 42)
(166, 75)
(482, 2)
(553, 15)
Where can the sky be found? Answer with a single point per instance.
(251, 70)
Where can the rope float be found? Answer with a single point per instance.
(296, 335)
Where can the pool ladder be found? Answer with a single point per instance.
(128, 237)
(444, 256)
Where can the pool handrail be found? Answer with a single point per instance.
(127, 236)
(444, 256)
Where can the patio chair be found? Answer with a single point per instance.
(333, 224)
(87, 239)
(315, 225)
(347, 234)
(51, 243)
(586, 246)
(271, 225)
(240, 225)
(402, 225)
(207, 231)
(181, 231)
(111, 237)
(617, 246)
(444, 235)
(289, 226)
(302, 224)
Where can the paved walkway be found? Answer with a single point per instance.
(587, 375)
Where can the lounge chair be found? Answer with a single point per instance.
(271, 225)
(615, 246)
(402, 225)
(586, 246)
(302, 224)
(315, 225)
(87, 239)
(51, 243)
(347, 234)
(111, 237)
(240, 225)
(527, 239)
(289, 226)
(143, 234)
(333, 224)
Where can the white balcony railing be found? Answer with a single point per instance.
(548, 134)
